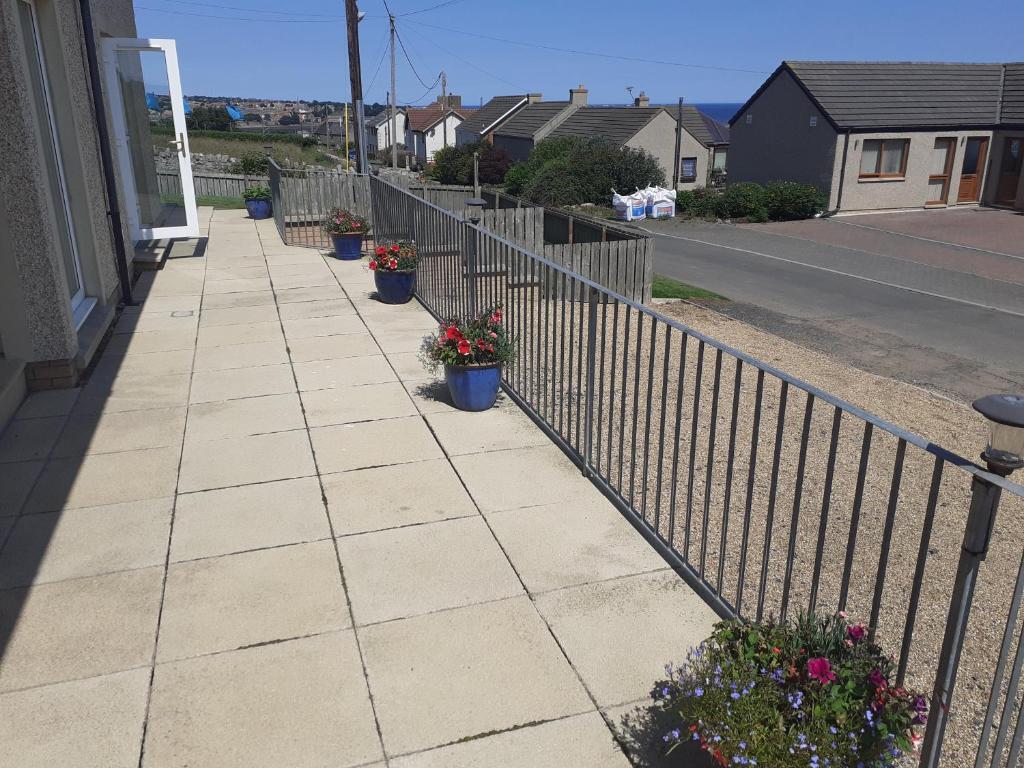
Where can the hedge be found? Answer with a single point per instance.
(777, 201)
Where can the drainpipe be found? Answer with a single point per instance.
(842, 171)
(106, 160)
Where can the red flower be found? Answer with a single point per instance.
(496, 316)
(395, 249)
(819, 669)
(380, 250)
(877, 679)
(464, 348)
(480, 344)
(453, 333)
(373, 265)
(393, 264)
(856, 632)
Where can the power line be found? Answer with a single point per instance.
(240, 18)
(380, 61)
(588, 53)
(254, 10)
(431, 8)
(470, 64)
(401, 43)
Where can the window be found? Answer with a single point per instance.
(688, 171)
(750, 119)
(884, 158)
(721, 155)
(813, 121)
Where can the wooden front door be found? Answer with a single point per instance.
(1009, 171)
(973, 171)
(941, 168)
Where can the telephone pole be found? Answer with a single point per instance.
(394, 107)
(444, 106)
(355, 75)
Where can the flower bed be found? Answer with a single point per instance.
(813, 693)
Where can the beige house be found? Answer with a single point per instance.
(887, 135)
(63, 267)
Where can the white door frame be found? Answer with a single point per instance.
(121, 139)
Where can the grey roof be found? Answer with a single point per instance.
(1013, 95)
(890, 94)
(616, 124)
(490, 112)
(532, 118)
(702, 127)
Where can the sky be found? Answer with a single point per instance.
(703, 52)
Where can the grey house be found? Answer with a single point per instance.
(492, 115)
(704, 148)
(535, 122)
(885, 135)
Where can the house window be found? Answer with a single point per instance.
(884, 158)
(813, 122)
(688, 171)
(721, 154)
(750, 119)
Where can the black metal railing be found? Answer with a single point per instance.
(302, 198)
(768, 495)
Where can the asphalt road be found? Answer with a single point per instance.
(947, 329)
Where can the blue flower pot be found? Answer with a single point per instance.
(473, 387)
(395, 287)
(348, 247)
(258, 209)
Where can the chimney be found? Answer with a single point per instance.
(578, 96)
(642, 100)
(534, 98)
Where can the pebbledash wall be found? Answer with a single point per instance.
(36, 323)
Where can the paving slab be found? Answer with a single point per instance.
(175, 361)
(16, 482)
(343, 405)
(246, 416)
(261, 313)
(297, 703)
(235, 601)
(581, 741)
(110, 432)
(524, 477)
(245, 299)
(242, 460)
(393, 496)
(56, 402)
(243, 285)
(237, 383)
(105, 478)
(228, 520)
(236, 356)
(373, 444)
(228, 335)
(157, 320)
(331, 347)
(315, 293)
(86, 542)
(134, 393)
(151, 341)
(561, 545)
(344, 372)
(333, 325)
(620, 634)
(464, 673)
(501, 428)
(94, 723)
(322, 308)
(403, 572)
(107, 624)
(30, 439)
(408, 366)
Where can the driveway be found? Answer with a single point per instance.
(947, 315)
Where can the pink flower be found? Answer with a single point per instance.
(373, 265)
(464, 348)
(856, 632)
(820, 669)
(877, 679)
(452, 333)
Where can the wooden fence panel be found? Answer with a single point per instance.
(623, 266)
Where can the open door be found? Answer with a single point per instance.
(149, 137)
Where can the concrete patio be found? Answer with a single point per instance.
(259, 535)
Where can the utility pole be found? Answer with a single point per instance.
(394, 115)
(348, 164)
(444, 106)
(679, 141)
(355, 74)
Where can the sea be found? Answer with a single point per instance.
(720, 110)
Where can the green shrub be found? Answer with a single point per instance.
(494, 165)
(700, 203)
(454, 165)
(250, 164)
(555, 185)
(745, 200)
(257, 193)
(383, 156)
(790, 200)
(814, 692)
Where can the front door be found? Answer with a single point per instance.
(941, 167)
(150, 138)
(1009, 171)
(973, 171)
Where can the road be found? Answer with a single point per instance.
(948, 329)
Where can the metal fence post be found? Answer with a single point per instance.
(471, 270)
(977, 535)
(588, 419)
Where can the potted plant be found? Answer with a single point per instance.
(257, 202)
(394, 271)
(472, 354)
(347, 232)
(814, 692)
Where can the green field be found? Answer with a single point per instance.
(285, 149)
(216, 201)
(667, 288)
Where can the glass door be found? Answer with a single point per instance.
(42, 103)
(1009, 171)
(150, 137)
(941, 168)
(975, 153)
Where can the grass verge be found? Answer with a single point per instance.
(667, 288)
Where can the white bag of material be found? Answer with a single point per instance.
(661, 202)
(629, 207)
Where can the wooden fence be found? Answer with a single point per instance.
(625, 267)
(210, 184)
(303, 198)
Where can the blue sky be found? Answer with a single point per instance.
(297, 49)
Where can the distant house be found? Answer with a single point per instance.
(639, 127)
(703, 149)
(490, 117)
(881, 135)
(378, 129)
(431, 128)
(535, 122)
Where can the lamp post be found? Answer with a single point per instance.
(1003, 454)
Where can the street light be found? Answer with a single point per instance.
(1005, 450)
